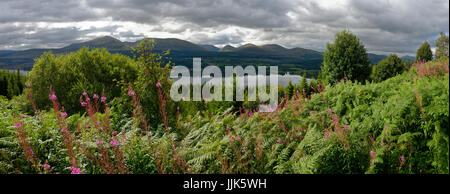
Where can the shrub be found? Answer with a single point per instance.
(387, 68)
(84, 71)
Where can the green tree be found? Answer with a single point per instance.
(303, 85)
(389, 67)
(86, 70)
(442, 46)
(424, 52)
(290, 89)
(153, 68)
(347, 56)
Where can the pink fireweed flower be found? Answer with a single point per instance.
(30, 151)
(64, 114)
(84, 94)
(345, 127)
(18, 125)
(27, 85)
(83, 103)
(88, 99)
(22, 116)
(330, 112)
(279, 140)
(114, 143)
(416, 92)
(103, 99)
(95, 96)
(231, 139)
(99, 143)
(158, 84)
(76, 171)
(402, 158)
(46, 166)
(372, 154)
(63, 130)
(131, 93)
(52, 96)
(335, 118)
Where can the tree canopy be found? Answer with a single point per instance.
(347, 56)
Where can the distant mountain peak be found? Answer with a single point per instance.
(247, 45)
(227, 48)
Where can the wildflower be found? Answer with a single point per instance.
(402, 158)
(18, 125)
(372, 154)
(311, 112)
(345, 127)
(46, 166)
(88, 99)
(114, 143)
(52, 96)
(231, 139)
(158, 84)
(103, 99)
(64, 114)
(95, 96)
(335, 118)
(329, 111)
(131, 93)
(76, 171)
(22, 116)
(279, 140)
(416, 92)
(83, 103)
(99, 123)
(99, 143)
(63, 130)
(27, 85)
(84, 94)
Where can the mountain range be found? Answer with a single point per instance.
(295, 60)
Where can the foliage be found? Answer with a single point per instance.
(345, 57)
(399, 125)
(11, 83)
(424, 52)
(441, 46)
(387, 68)
(83, 71)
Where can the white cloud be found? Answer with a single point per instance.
(384, 26)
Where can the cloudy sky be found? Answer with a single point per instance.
(384, 26)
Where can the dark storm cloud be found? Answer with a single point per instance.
(263, 13)
(382, 25)
(45, 10)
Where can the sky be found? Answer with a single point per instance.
(383, 26)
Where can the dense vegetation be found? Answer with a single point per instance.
(11, 83)
(103, 120)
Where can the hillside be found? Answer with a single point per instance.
(294, 60)
(398, 126)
